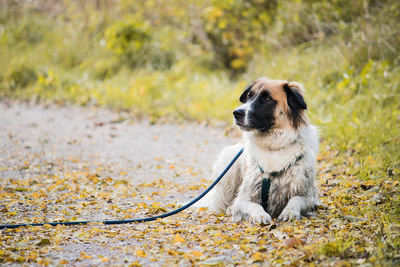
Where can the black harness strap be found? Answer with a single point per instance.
(266, 182)
(265, 186)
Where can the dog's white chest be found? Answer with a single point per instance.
(274, 160)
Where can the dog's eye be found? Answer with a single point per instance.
(250, 95)
(266, 97)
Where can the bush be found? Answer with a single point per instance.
(235, 29)
(129, 40)
(27, 31)
(104, 69)
(19, 76)
(133, 44)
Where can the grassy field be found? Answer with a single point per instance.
(163, 61)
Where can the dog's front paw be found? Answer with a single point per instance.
(246, 210)
(260, 216)
(289, 214)
(236, 213)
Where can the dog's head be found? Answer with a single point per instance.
(271, 104)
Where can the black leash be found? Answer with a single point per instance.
(10, 226)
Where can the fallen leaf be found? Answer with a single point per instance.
(141, 253)
(293, 241)
(178, 239)
(43, 242)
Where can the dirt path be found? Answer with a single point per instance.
(43, 135)
(63, 163)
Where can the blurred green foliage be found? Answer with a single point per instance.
(191, 59)
(126, 38)
(236, 28)
(19, 76)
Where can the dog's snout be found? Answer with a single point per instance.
(238, 114)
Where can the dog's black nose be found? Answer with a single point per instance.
(238, 114)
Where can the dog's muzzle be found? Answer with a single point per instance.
(240, 119)
(239, 114)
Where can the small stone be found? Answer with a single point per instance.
(378, 198)
(354, 219)
(373, 189)
(395, 228)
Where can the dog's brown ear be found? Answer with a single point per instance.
(243, 97)
(296, 103)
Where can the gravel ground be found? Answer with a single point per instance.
(44, 134)
(39, 142)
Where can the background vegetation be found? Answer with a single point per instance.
(191, 59)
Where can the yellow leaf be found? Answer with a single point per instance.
(217, 234)
(197, 253)
(141, 253)
(262, 242)
(257, 256)
(178, 239)
(173, 252)
(35, 195)
(85, 256)
(33, 255)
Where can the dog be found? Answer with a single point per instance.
(278, 144)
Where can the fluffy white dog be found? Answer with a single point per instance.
(275, 177)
